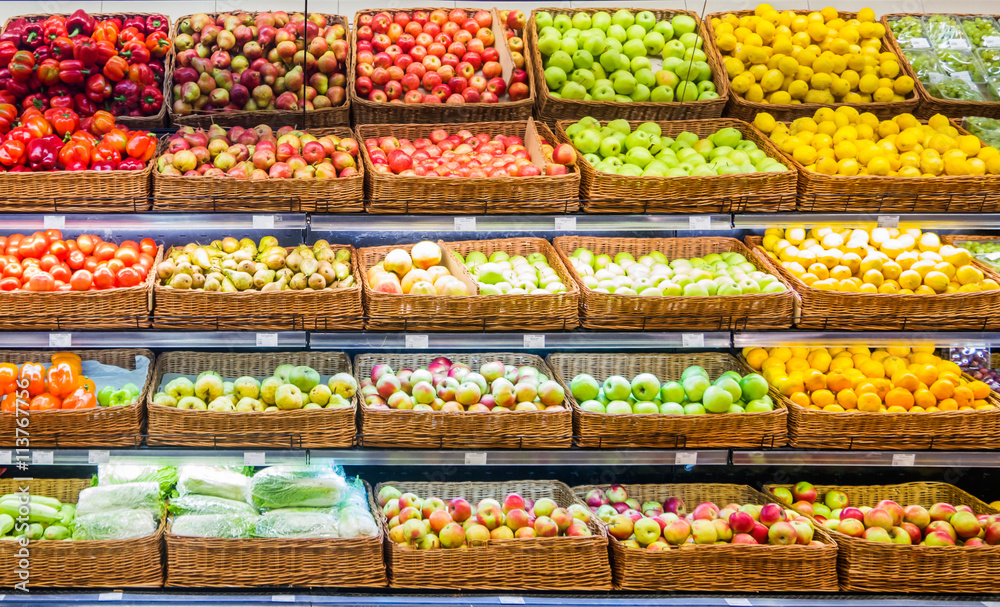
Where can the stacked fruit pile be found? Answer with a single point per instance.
(430, 524)
(603, 57)
(448, 386)
(895, 380)
(417, 272)
(819, 57)
(875, 260)
(86, 65)
(246, 62)
(437, 57)
(33, 387)
(258, 153)
(501, 274)
(942, 524)
(661, 526)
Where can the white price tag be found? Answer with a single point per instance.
(465, 224)
(60, 340)
(283, 598)
(263, 222)
(739, 602)
(5, 457)
(700, 223)
(563, 224)
(42, 458)
(511, 600)
(417, 342)
(965, 77)
(685, 458)
(98, 457)
(991, 603)
(54, 222)
(267, 340)
(475, 459)
(991, 42)
(920, 43)
(888, 221)
(693, 340)
(534, 341)
(903, 459)
(109, 596)
(958, 43)
(253, 458)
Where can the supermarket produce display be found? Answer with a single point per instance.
(460, 305)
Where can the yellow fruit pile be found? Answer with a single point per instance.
(890, 380)
(876, 260)
(845, 142)
(818, 57)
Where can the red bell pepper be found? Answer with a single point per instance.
(101, 123)
(37, 126)
(22, 65)
(141, 146)
(73, 71)
(105, 51)
(65, 121)
(115, 69)
(103, 166)
(116, 138)
(62, 48)
(75, 152)
(43, 154)
(151, 100)
(157, 44)
(60, 97)
(131, 34)
(53, 28)
(48, 72)
(76, 166)
(157, 23)
(139, 23)
(36, 101)
(98, 88)
(14, 30)
(83, 104)
(157, 69)
(32, 36)
(80, 23)
(107, 31)
(42, 53)
(11, 152)
(135, 52)
(85, 51)
(8, 114)
(7, 51)
(126, 93)
(140, 72)
(131, 164)
(20, 134)
(105, 152)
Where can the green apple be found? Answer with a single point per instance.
(654, 42)
(584, 387)
(582, 59)
(587, 141)
(753, 386)
(584, 78)
(623, 18)
(601, 20)
(671, 289)
(573, 90)
(677, 171)
(689, 39)
(609, 60)
(637, 139)
(582, 21)
(773, 287)
(673, 49)
(617, 32)
(548, 44)
(686, 91)
(617, 387)
(603, 92)
(613, 44)
(730, 385)
(685, 71)
(563, 23)
(646, 19)
(645, 408)
(666, 78)
(703, 147)
(640, 94)
(661, 94)
(639, 63)
(639, 157)
(703, 171)
(629, 170)
(543, 19)
(736, 408)
(555, 78)
(695, 290)
(694, 409)
(716, 399)
(671, 408)
(561, 60)
(683, 24)
(594, 45)
(635, 32)
(610, 146)
(730, 289)
(618, 407)
(644, 76)
(759, 406)
(664, 29)
(593, 406)
(568, 45)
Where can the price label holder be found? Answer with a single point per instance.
(534, 341)
(991, 42)
(564, 224)
(60, 340)
(415, 342)
(700, 223)
(110, 596)
(263, 222)
(920, 43)
(693, 340)
(903, 459)
(465, 224)
(254, 458)
(5, 458)
(685, 458)
(888, 221)
(475, 459)
(739, 603)
(959, 44)
(98, 457)
(283, 598)
(267, 340)
(511, 600)
(42, 458)
(54, 222)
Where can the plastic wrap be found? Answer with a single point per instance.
(213, 525)
(128, 496)
(296, 523)
(288, 486)
(355, 495)
(117, 524)
(118, 474)
(212, 480)
(210, 504)
(356, 521)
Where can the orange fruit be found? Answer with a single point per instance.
(899, 397)
(923, 398)
(882, 387)
(869, 402)
(948, 404)
(847, 399)
(952, 378)
(905, 380)
(822, 398)
(833, 409)
(814, 380)
(800, 398)
(980, 390)
(928, 374)
(864, 387)
(942, 389)
(837, 382)
(963, 396)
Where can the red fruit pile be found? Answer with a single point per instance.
(460, 155)
(44, 261)
(86, 65)
(246, 62)
(436, 57)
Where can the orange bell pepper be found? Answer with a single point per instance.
(74, 361)
(8, 378)
(9, 403)
(84, 382)
(61, 380)
(34, 374)
(45, 402)
(80, 399)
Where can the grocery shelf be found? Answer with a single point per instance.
(518, 223)
(852, 458)
(617, 341)
(866, 339)
(936, 221)
(176, 340)
(553, 457)
(155, 222)
(170, 457)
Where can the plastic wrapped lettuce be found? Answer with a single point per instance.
(356, 521)
(119, 474)
(213, 480)
(128, 496)
(295, 523)
(287, 486)
(210, 504)
(213, 525)
(355, 494)
(114, 524)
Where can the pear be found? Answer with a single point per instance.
(230, 244)
(228, 264)
(317, 282)
(197, 280)
(327, 272)
(201, 259)
(321, 244)
(344, 255)
(275, 286)
(285, 273)
(247, 266)
(242, 255)
(211, 284)
(309, 266)
(248, 245)
(298, 282)
(165, 269)
(325, 254)
(347, 282)
(267, 242)
(293, 261)
(262, 278)
(180, 281)
(342, 269)
(274, 261)
(228, 287)
(241, 280)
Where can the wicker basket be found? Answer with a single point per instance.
(288, 310)
(302, 119)
(76, 191)
(741, 192)
(739, 107)
(811, 429)
(932, 105)
(710, 313)
(722, 567)
(516, 564)
(211, 562)
(551, 109)
(861, 193)
(460, 430)
(133, 563)
(865, 566)
(119, 308)
(838, 310)
(388, 193)
(366, 111)
(643, 431)
(133, 122)
(101, 427)
(229, 195)
(320, 428)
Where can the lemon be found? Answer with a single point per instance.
(969, 144)
(866, 15)
(821, 81)
(848, 167)
(755, 94)
(868, 83)
(764, 121)
(742, 83)
(804, 154)
(878, 166)
(798, 89)
(788, 66)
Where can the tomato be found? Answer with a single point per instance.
(10, 284)
(75, 259)
(145, 261)
(53, 235)
(127, 255)
(59, 249)
(86, 243)
(105, 251)
(82, 280)
(90, 264)
(13, 270)
(115, 265)
(32, 247)
(13, 242)
(131, 244)
(128, 277)
(71, 245)
(47, 262)
(42, 281)
(143, 272)
(103, 278)
(61, 274)
(3, 243)
(148, 247)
